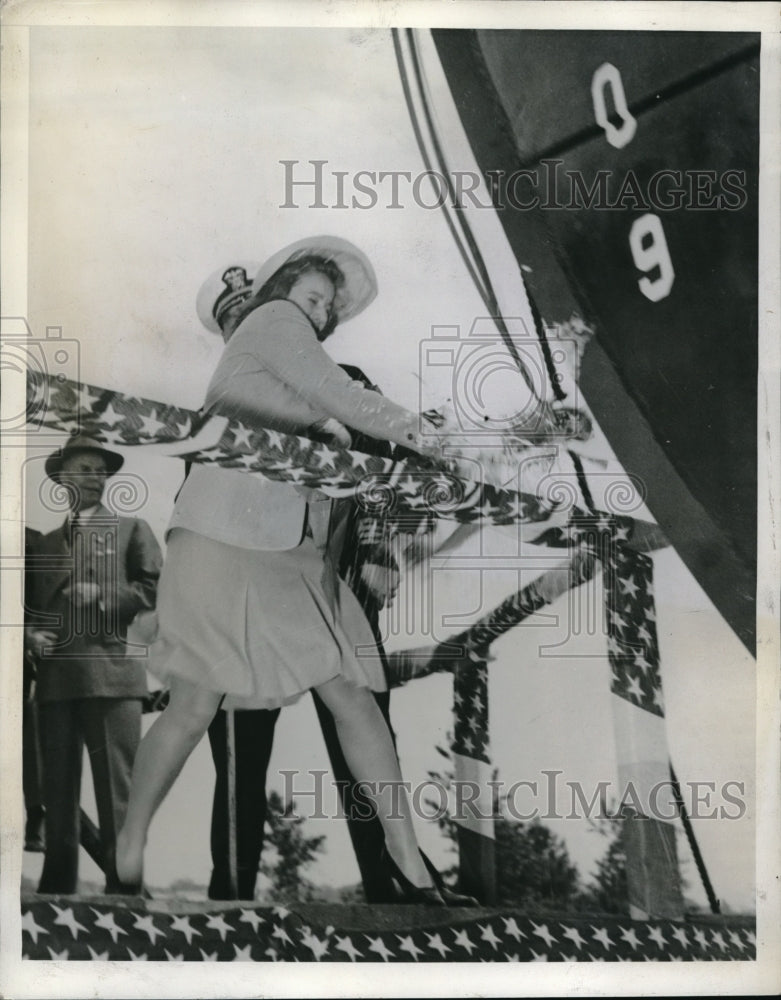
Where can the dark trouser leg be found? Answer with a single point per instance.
(254, 732)
(32, 781)
(112, 732)
(61, 750)
(32, 778)
(367, 835)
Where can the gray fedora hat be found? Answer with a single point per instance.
(77, 443)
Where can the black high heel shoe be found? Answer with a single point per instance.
(450, 896)
(427, 895)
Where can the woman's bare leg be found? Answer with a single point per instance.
(368, 749)
(161, 756)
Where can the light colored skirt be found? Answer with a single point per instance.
(261, 627)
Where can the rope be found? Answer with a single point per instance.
(475, 263)
(539, 326)
(713, 900)
(427, 161)
(582, 481)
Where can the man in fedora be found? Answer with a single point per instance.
(90, 577)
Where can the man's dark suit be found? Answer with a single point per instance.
(89, 688)
(32, 774)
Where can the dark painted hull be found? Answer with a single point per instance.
(671, 375)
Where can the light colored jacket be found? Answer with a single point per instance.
(274, 373)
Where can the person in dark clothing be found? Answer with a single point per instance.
(32, 767)
(91, 575)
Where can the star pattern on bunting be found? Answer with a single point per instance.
(633, 648)
(628, 935)
(436, 943)
(30, 927)
(543, 932)
(412, 487)
(378, 946)
(65, 918)
(470, 701)
(84, 931)
(72, 406)
(319, 947)
(251, 917)
(346, 945)
(600, 934)
(655, 934)
(183, 925)
(407, 944)
(218, 923)
(106, 922)
(147, 925)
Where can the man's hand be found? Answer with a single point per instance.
(382, 581)
(36, 639)
(82, 593)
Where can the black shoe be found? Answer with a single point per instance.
(35, 844)
(137, 889)
(125, 889)
(427, 895)
(450, 896)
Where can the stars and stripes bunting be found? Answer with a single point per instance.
(412, 488)
(473, 812)
(466, 655)
(638, 713)
(406, 490)
(67, 929)
(648, 798)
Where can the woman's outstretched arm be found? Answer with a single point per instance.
(280, 338)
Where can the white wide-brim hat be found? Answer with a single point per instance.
(360, 281)
(223, 289)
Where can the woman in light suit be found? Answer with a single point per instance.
(250, 607)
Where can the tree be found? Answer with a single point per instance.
(533, 866)
(292, 852)
(532, 863)
(608, 890)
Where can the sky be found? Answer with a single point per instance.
(154, 159)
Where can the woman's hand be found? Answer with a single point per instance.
(429, 441)
(331, 431)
